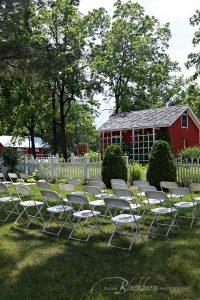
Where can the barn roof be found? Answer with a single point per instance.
(10, 141)
(156, 117)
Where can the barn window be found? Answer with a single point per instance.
(116, 140)
(184, 120)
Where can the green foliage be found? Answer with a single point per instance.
(132, 62)
(113, 165)
(161, 164)
(190, 153)
(11, 159)
(94, 155)
(194, 57)
(164, 136)
(135, 172)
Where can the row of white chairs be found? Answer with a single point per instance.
(65, 206)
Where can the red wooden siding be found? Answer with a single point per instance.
(178, 134)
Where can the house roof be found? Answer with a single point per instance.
(156, 117)
(10, 141)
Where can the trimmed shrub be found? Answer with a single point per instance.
(135, 172)
(161, 164)
(191, 153)
(113, 165)
(11, 159)
(164, 136)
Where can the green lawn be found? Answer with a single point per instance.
(34, 265)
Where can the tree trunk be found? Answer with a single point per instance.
(62, 125)
(32, 135)
(54, 124)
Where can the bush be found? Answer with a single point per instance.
(135, 172)
(113, 165)
(191, 153)
(11, 159)
(164, 136)
(161, 164)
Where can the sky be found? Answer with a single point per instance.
(176, 12)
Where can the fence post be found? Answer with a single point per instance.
(86, 167)
(52, 167)
(127, 166)
(26, 164)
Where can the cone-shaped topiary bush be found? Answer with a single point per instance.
(113, 165)
(161, 164)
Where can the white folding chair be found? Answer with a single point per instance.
(74, 181)
(195, 188)
(137, 183)
(8, 203)
(121, 220)
(82, 217)
(69, 188)
(43, 185)
(167, 185)
(28, 205)
(55, 211)
(2, 178)
(144, 188)
(126, 194)
(180, 193)
(161, 211)
(98, 184)
(118, 183)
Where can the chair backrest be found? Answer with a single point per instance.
(157, 195)
(77, 198)
(119, 186)
(122, 192)
(93, 190)
(3, 188)
(168, 184)
(194, 187)
(74, 181)
(50, 195)
(23, 175)
(98, 184)
(66, 187)
(117, 203)
(23, 190)
(179, 191)
(118, 181)
(44, 185)
(12, 176)
(145, 188)
(137, 183)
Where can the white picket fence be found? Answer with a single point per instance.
(188, 170)
(53, 167)
(86, 168)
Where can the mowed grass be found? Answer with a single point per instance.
(35, 265)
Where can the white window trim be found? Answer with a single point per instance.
(184, 114)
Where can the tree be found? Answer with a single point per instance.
(131, 61)
(66, 59)
(194, 58)
(113, 165)
(161, 165)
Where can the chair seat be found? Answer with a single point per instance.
(142, 194)
(134, 206)
(126, 218)
(163, 210)
(84, 214)
(77, 193)
(126, 198)
(97, 203)
(59, 208)
(103, 195)
(176, 196)
(31, 203)
(197, 198)
(184, 204)
(153, 201)
(8, 199)
(65, 199)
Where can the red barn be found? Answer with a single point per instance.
(22, 144)
(139, 129)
